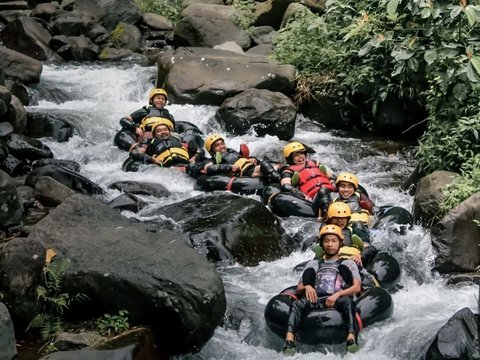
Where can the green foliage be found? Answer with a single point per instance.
(421, 52)
(110, 325)
(171, 9)
(53, 301)
(466, 186)
(247, 10)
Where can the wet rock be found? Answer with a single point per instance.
(8, 348)
(267, 112)
(457, 339)
(24, 147)
(72, 341)
(11, 209)
(138, 263)
(125, 202)
(5, 129)
(140, 188)
(228, 227)
(67, 164)
(48, 125)
(44, 11)
(13, 166)
(455, 279)
(126, 36)
(65, 176)
(26, 194)
(50, 192)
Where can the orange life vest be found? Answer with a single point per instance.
(311, 179)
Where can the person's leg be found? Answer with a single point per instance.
(346, 307)
(296, 312)
(321, 202)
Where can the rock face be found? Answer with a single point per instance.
(219, 75)
(228, 227)
(457, 339)
(429, 195)
(151, 273)
(456, 238)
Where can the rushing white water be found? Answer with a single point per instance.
(95, 97)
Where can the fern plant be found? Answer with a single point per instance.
(53, 302)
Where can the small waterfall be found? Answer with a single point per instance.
(95, 97)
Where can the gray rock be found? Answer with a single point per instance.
(429, 196)
(219, 75)
(50, 192)
(8, 348)
(18, 66)
(154, 275)
(11, 209)
(456, 238)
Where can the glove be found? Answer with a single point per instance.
(289, 188)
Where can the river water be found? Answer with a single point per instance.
(95, 97)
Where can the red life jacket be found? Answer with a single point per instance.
(311, 178)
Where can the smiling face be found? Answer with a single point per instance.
(219, 146)
(161, 131)
(331, 244)
(345, 189)
(299, 158)
(159, 101)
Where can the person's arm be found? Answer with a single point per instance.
(286, 184)
(366, 203)
(307, 285)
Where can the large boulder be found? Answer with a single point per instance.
(265, 111)
(110, 12)
(219, 75)
(125, 265)
(11, 209)
(429, 195)
(270, 12)
(17, 115)
(18, 66)
(228, 227)
(49, 125)
(24, 147)
(457, 339)
(27, 36)
(456, 238)
(206, 25)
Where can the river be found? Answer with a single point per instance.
(94, 97)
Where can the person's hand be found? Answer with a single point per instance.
(357, 259)
(235, 169)
(330, 302)
(311, 294)
(156, 161)
(138, 131)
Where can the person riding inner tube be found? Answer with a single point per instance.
(164, 149)
(305, 178)
(226, 161)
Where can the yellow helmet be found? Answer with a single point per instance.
(162, 121)
(347, 177)
(211, 139)
(331, 229)
(292, 147)
(150, 122)
(157, 91)
(339, 209)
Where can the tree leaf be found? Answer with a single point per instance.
(392, 7)
(475, 61)
(403, 55)
(430, 56)
(457, 9)
(471, 15)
